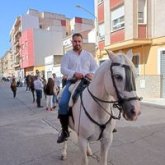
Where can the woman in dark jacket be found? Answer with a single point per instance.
(49, 90)
(13, 87)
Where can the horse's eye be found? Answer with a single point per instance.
(118, 77)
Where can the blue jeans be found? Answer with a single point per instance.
(54, 99)
(38, 96)
(64, 100)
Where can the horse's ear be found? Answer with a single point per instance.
(110, 54)
(129, 54)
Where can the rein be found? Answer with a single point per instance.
(97, 100)
(115, 105)
(102, 126)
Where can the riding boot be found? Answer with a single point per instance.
(64, 120)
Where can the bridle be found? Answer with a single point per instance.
(120, 99)
(116, 104)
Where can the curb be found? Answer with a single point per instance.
(156, 105)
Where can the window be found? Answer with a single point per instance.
(140, 17)
(118, 23)
(99, 1)
(135, 60)
(49, 74)
(101, 31)
(162, 62)
(142, 10)
(117, 18)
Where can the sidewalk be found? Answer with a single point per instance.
(158, 102)
(154, 102)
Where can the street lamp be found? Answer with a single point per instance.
(78, 6)
(96, 22)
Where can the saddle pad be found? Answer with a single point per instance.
(72, 88)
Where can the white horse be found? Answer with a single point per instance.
(113, 84)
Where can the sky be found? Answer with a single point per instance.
(10, 9)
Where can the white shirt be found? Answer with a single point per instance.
(83, 63)
(38, 85)
(56, 82)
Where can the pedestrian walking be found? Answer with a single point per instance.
(49, 91)
(31, 86)
(56, 89)
(38, 86)
(13, 86)
(44, 87)
(27, 79)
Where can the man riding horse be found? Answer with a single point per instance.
(76, 64)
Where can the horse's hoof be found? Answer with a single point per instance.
(114, 130)
(63, 157)
(89, 153)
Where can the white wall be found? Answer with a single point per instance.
(57, 70)
(59, 28)
(52, 69)
(79, 27)
(47, 43)
(158, 22)
(49, 60)
(107, 22)
(48, 69)
(92, 36)
(129, 28)
(87, 24)
(28, 21)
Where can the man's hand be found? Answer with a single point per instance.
(78, 75)
(89, 76)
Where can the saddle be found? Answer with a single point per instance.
(76, 89)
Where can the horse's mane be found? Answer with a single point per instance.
(129, 62)
(103, 65)
(126, 61)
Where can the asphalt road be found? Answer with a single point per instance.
(28, 135)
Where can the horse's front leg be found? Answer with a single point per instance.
(89, 151)
(64, 151)
(83, 143)
(105, 144)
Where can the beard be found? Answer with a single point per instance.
(77, 48)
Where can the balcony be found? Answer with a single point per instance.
(16, 65)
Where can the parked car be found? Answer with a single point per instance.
(20, 82)
(5, 78)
